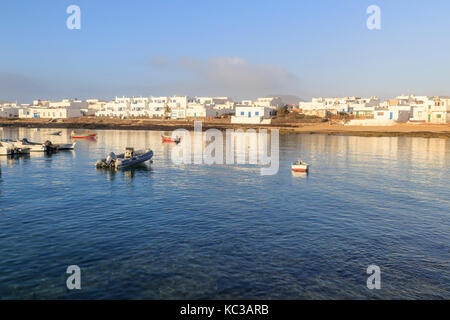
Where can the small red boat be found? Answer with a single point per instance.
(167, 139)
(89, 135)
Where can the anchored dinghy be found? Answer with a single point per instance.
(127, 159)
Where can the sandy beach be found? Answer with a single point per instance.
(412, 130)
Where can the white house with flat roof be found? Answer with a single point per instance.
(434, 110)
(9, 110)
(54, 109)
(252, 115)
(393, 113)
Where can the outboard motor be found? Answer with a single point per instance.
(111, 158)
(49, 146)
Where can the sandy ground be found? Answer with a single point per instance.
(415, 130)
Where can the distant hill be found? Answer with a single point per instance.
(288, 99)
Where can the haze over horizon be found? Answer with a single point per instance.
(237, 49)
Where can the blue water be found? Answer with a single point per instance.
(167, 231)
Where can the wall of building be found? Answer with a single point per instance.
(7, 112)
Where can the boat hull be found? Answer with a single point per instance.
(4, 151)
(90, 136)
(170, 140)
(32, 147)
(120, 162)
(69, 146)
(124, 163)
(300, 168)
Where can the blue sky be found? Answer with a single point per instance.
(235, 48)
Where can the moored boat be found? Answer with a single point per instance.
(67, 146)
(25, 144)
(168, 139)
(50, 147)
(124, 160)
(86, 135)
(6, 150)
(300, 166)
(34, 146)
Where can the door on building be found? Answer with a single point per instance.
(357, 114)
(249, 114)
(391, 115)
(429, 118)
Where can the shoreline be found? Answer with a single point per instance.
(399, 130)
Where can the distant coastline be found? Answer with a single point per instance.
(399, 130)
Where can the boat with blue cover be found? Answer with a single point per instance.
(124, 160)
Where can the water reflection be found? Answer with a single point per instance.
(128, 173)
(366, 200)
(301, 175)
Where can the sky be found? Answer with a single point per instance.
(241, 49)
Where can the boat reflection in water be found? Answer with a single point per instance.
(129, 173)
(302, 175)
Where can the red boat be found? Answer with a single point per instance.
(83, 135)
(167, 139)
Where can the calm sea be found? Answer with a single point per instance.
(168, 231)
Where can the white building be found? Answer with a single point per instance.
(355, 105)
(8, 112)
(9, 109)
(270, 102)
(197, 110)
(434, 110)
(252, 115)
(393, 113)
(54, 109)
(116, 108)
(157, 107)
(177, 106)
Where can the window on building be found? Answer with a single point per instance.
(242, 113)
(256, 113)
(438, 116)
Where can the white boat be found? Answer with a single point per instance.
(300, 166)
(6, 151)
(127, 159)
(25, 144)
(9, 148)
(68, 146)
(49, 146)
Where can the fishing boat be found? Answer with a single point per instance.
(50, 147)
(34, 146)
(67, 146)
(7, 148)
(19, 144)
(300, 166)
(124, 160)
(88, 135)
(168, 139)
